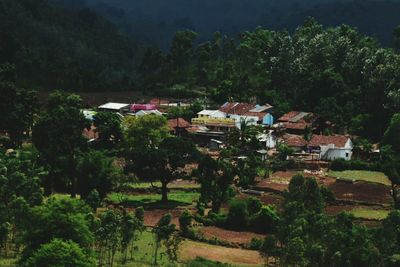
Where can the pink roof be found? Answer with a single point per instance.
(138, 107)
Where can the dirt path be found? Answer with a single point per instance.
(190, 250)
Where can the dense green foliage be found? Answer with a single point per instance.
(52, 47)
(58, 137)
(337, 73)
(156, 21)
(59, 253)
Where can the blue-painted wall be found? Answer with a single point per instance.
(268, 120)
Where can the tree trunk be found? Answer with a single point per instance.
(72, 176)
(216, 206)
(164, 191)
(155, 254)
(394, 194)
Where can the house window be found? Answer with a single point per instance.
(347, 155)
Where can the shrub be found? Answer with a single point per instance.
(185, 223)
(213, 219)
(5, 142)
(254, 205)
(342, 165)
(59, 253)
(266, 220)
(328, 195)
(217, 219)
(238, 216)
(255, 243)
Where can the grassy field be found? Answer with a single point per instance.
(175, 198)
(370, 214)
(366, 176)
(143, 255)
(146, 185)
(8, 262)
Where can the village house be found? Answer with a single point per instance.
(146, 107)
(179, 126)
(115, 107)
(331, 147)
(148, 112)
(268, 139)
(296, 122)
(250, 113)
(295, 142)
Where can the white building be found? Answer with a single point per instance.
(268, 139)
(216, 114)
(332, 147)
(115, 107)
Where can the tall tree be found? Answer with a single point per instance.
(215, 177)
(96, 171)
(164, 163)
(58, 137)
(108, 125)
(17, 107)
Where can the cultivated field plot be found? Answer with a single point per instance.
(232, 237)
(370, 214)
(239, 257)
(175, 199)
(376, 213)
(151, 217)
(361, 192)
(365, 176)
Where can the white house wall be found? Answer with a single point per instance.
(333, 154)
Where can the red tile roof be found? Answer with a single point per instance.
(288, 116)
(178, 123)
(294, 140)
(338, 140)
(236, 108)
(192, 129)
(297, 125)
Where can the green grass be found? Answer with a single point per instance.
(146, 185)
(8, 262)
(175, 198)
(370, 214)
(143, 255)
(366, 176)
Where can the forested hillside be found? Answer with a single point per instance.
(52, 47)
(338, 73)
(156, 21)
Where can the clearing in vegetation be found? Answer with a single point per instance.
(239, 257)
(175, 199)
(370, 214)
(365, 176)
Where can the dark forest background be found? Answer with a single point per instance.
(218, 50)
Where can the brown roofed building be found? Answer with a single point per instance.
(332, 147)
(296, 142)
(178, 126)
(296, 122)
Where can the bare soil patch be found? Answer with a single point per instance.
(151, 217)
(191, 250)
(233, 237)
(361, 192)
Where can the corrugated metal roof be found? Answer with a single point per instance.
(114, 106)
